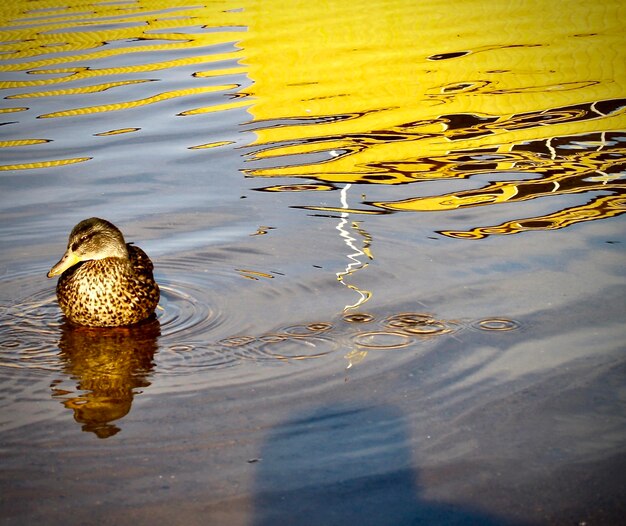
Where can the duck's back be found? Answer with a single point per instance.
(109, 292)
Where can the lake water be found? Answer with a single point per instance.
(390, 244)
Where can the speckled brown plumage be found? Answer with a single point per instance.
(108, 291)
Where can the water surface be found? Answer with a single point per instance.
(390, 245)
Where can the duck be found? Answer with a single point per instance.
(104, 281)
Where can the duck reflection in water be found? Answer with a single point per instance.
(108, 366)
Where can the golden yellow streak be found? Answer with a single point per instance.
(137, 103)
(43, 164)
(23, 142)
(117, 132)
(219, 72)
(211, 145)
(299, 188)
(96, 88)
(603, 207)
(253, 274)
(12, 110)
(218, 107)
(498, 194)
(298, 149)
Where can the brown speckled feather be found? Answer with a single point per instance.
(109, 292)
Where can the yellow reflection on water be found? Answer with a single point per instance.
(43, 164)
(135, 103)
(382, 78)
(382, 92)
(25, 142)
(111, 51)
(394, 92)
(96, 88)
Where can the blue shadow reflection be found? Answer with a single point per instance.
(350, 466)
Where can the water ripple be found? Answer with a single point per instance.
(496, 324)
(29, 334)
(182, 312)
(382, 340)
(191, 357)
(190, 333)
(282, 349)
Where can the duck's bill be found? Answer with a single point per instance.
(68, 260)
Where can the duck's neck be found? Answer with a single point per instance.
(120, 250)
(113, 250)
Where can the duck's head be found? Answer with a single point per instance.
(92, 238)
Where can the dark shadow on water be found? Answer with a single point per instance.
(347, 466)
(108, 366)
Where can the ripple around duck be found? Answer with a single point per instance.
(30, 333)
(180, 311)
(269, 349)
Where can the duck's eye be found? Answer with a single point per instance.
(84, 238)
